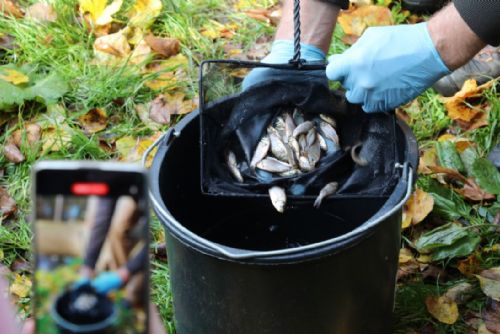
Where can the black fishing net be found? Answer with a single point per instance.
(232, 119)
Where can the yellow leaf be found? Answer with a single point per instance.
(355, 22)
(144, 13)
(418, 206)
(41, 11)
(55, 137)
(111, 48)
(99, 13)
(132, 149)
(21, 286)
(141, 53)
(94, 121)
(428, 158)
(424, 258)
(460, 106)
(405, 255)
(446, 137)
(251, 4)
(216, 30)
(442, 308)
(14, 76)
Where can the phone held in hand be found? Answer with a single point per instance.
(91, 240)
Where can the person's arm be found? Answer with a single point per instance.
(390, 66)
(453, 38)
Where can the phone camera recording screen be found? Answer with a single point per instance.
(91, 246)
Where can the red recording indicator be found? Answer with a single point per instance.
(90, 188)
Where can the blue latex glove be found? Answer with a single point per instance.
(107, 281)
(281, 52)
(80, 282)
(388, 66)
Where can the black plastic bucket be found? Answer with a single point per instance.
(237, 266)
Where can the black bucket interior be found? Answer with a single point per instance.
(243, 222)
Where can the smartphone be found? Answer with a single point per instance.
(91, 240)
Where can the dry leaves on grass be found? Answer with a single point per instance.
(10, 8)
(42, 12)
(166, 73)
(490, 283)
(21, 286)
(270, 15)
(465, 107)
(491, 317)
(12, 153)
(110, 49)
(7, 203)
(355, 21)
(94, 121)
(31, 132)
(215, 30)
(132, 149)
(164, 46)
(164, 106)
(418, 206)
(445, 308)
(97, 12)
(144, 13)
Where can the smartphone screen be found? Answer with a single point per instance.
(91, 249)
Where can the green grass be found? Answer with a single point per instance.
(66, 48)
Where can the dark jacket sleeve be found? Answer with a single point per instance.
(343, 4)
(483, 17)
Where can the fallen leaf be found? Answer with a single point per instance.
(435, 273)
(269, 15)
(459, 293)
(460, 106)
(215, 30)
(32, 132)
(469, 266)
(13, 76)
(141, 53)
(491, 317)
(12, 153)
(489, 281)
(167, 47)
(144, 13)
(94, 121)
(164, 106)
(42, 11)
(7, 42)
(405, 255)
(142, 111)
(112, 47)
(21, 286)
(427, 158)
(472, 192)
(166, 72)
(97, 12)
(7, 203)
(483, 330)
(418, 206)
(56, 137)
(354, 22)
(442, 308)
(349, 39)
(10, 8)
(486, 175)
(132, 149)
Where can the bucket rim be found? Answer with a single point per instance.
(397, 199)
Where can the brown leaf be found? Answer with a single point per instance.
(166, 105)
(12, 153)
(427, 158)
(349, 39)
(32, 132)
(7, 42)
(10, 8)
(451, 173)
(418, 206)
(490, 282)
(491, 316)
(112, 47)
(442, 308)
(354, 22)
(460, 107)
(474, 193)
(7, 203)
(167, 47)
(41, 11)
(94, 121)
(132, 149)
(469, 266)
(435, 273)
(459, 293)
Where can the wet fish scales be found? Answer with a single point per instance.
(327, 190)
(233, 166)
(273, 165)
(278, 198)
(260, 151)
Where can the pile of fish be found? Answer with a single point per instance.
(290, 147)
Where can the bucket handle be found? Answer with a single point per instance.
(404, 187)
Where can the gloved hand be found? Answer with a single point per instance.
(107, 281)
(281, 52)
(388, 66)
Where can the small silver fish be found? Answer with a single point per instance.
(279, 125)
(289, 126)
(278, 148)
(313, 154)
(302, 143)
(356, 155)
(291, 172)
(322, 143)
(294, 144)
(311, 137)
(291, 156)
(329, 132)
(304, 164)
(302, 128)
(278, 198)
(260, 151)
(273, 165)
(326, 191)
(233, 166)
(329, 119)
(298, 116)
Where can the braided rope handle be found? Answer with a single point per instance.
(296, 33)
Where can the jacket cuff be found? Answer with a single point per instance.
(343, 4)
(482, 17)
